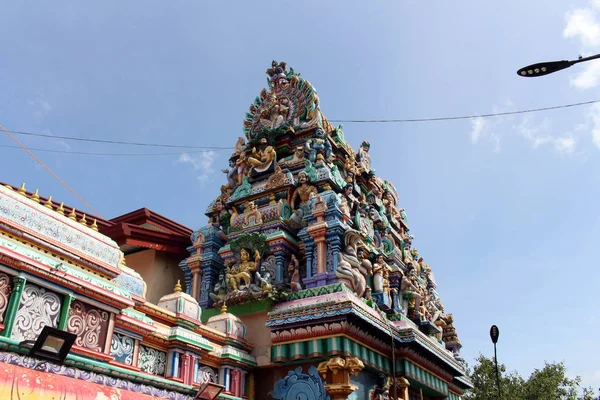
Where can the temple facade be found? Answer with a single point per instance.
(305, 283)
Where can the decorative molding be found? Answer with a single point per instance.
(122, 348)
(152, 361)
(5, 291)
(89, 324)
(89, 376)
(57, 229)
(38, 308)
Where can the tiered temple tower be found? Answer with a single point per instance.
(311, 250)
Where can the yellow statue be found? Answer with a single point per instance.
(242, 271)
(261, 159)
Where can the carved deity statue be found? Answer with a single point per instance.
(241, 168)
(262, 158)
(274, 116)
(350, 167)
(294, 271)
(302, 194)
(242, 272)
(220, 289)
(318, 147)
(222, 218)
(231, 173)
(381, 272)
(410, 290)
(363, 157)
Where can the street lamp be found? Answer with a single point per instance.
(545, 68)
(494, 334)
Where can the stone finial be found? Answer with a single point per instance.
(48, 203)
(35, 196)
(83, 221)
(94, 227)
(22, 190)
(177, 287)
(72, 214)
(61, 209)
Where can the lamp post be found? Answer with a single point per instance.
(494, 333)
(545, 68)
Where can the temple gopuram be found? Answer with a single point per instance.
(305, 283)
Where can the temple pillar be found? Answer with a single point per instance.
(318, 230)
(195, 290)
(336, 372)
(13, 304)
(64, 311)
(280, 265)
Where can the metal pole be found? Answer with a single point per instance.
(497, 373)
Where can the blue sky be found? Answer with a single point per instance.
(504, 209)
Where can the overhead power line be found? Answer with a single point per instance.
(50, 171)
(207, 148)
(179, 146)
(372, 121)
(104, 154)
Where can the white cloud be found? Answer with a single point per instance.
(203, 163)
(41, 107)
(594, 117)
(537, 136)
(583, 24)
(61, 143)
(479, 126)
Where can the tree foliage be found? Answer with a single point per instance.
(548, 383)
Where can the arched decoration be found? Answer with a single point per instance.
(299, 386)
(290, 102)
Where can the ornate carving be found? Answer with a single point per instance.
(89, 324)
(297, 385)
(121, 348)
(152, 361)
(206, 374)
(4, 294)
(39, 307)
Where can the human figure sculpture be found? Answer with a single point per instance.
(242, 272)
(294, 271)
(220, 289)
(363, 157)
(222, 218)
(302, 194)
(410, 290)
(318, 148)
(350, 167)
(231, 173)
(241, 168)
(381, 272)
(262, 158)
(274, 116)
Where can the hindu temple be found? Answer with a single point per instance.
(304, 284)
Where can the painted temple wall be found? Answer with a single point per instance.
(159, 270)
(258, 336)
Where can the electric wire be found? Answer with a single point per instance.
(121, 142)
(499, 114)
(104, 154)
(51, 172)
(217, 148)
